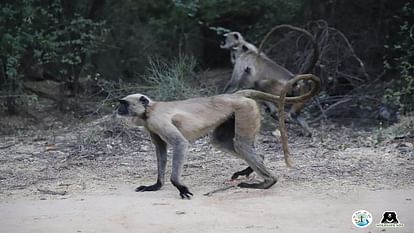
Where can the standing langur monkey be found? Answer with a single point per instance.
(232, 119)
(265, 74)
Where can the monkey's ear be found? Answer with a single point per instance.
(244, 47)
(144, 101)
(236, 36)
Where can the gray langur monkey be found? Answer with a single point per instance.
(266, 75)
(233, 121)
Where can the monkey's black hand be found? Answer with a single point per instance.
(246, 172)
(237, 174)
(184, 192)
(153, 187)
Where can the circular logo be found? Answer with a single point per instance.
(362, 218)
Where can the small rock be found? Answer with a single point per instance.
(407, 145)
(276, 133)
(43, 198)
(60, 139)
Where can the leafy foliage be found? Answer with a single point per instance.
(35, 34)
(401, 58)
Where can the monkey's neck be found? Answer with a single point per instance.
(144, 115)
(148, 108)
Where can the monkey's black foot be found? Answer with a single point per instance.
(246, 172)
(184, 192)
(144, 188)
(262, 185)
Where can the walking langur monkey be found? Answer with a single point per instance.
(232, 119)
(266, 75)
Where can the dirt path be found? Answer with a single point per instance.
(81, 179)
(275, 210)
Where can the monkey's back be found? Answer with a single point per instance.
(196, 117)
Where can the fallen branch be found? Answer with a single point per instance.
(325, 112)
(7, 145)
(51, 192)
(219, 190)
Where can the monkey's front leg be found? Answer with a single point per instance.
(161, 151)
(179, 150)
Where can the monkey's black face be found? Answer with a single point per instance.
(231, 39)
(123, 108)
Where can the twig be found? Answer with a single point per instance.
(351, 49)
(7, 145)
(323, 115)
(318, 103)
(51, 192)
(219, 190)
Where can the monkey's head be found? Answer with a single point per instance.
(231, 40)
(134, 105)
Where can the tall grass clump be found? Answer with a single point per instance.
(174, 79)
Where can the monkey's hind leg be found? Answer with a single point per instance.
(247, 126)
(256, 163)
(222, 138)
(245, 172)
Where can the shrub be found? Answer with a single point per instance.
(401, 59)
(175, 79)
(36, 34)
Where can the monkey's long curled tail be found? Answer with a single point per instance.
(281, 100)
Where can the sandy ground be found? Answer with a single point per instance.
(276, 210)
(81, 179)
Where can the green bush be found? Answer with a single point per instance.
(36, 34)
(401, 59)
(175, 79)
